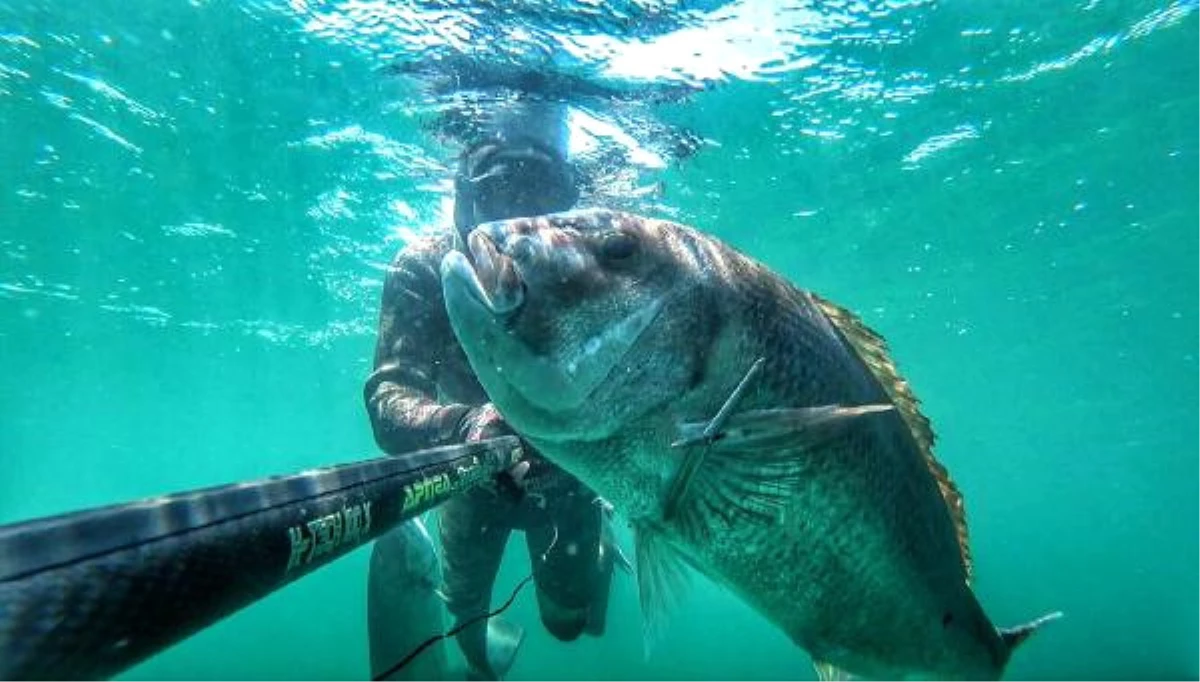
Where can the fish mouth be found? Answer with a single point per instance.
(494, 279)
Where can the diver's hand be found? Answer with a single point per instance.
(484, 422)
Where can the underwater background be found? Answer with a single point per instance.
(197, 201)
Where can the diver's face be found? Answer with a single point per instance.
(522, 193)
(521, 183)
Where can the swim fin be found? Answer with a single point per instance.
(503, 642)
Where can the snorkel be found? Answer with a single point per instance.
(517, 167)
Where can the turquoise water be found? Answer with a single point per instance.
(197, 199)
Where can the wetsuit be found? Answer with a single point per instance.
(423, 393)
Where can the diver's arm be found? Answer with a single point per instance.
(400, 393)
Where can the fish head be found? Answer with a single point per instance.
(576, 323)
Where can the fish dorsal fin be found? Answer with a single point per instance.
(873, 351)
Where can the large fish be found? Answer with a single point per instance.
(744, 427)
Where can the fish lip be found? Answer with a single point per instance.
(494, 279)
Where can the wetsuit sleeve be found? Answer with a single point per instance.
(401, 393)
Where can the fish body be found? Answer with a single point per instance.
(745, 427)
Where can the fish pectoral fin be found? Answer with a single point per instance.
(662, 578)
(827, 672)
(750, 467)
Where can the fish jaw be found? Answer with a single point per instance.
(480, 326)
(538, 389)
(491, 281)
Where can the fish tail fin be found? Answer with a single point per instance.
(1014, 636)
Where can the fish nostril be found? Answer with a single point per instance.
(522, 249)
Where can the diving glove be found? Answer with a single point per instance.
(484, 422)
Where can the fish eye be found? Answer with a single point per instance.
(618, 246)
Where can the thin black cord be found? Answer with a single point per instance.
(461, 627)
(455, 630)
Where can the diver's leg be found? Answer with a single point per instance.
(403, 609)
(474, 530)
(564, 550)
(610, 558)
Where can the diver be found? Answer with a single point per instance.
(423, 393)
